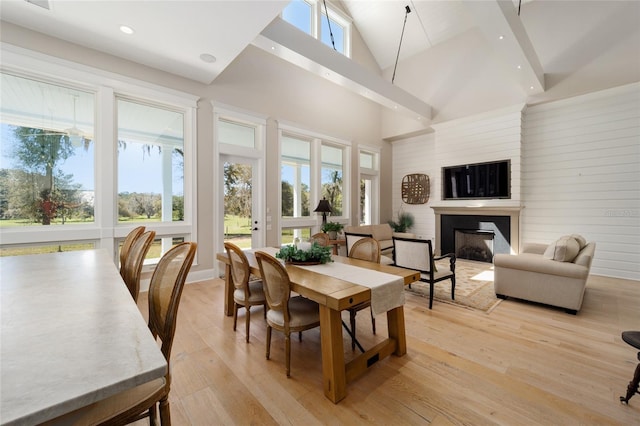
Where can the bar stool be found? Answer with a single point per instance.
(632, 338)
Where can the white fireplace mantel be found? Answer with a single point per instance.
(512, 211)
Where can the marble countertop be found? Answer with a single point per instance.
(71, 335)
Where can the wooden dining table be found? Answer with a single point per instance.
(71, 335)
(334, 295)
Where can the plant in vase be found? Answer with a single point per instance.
(315, 254)
(404, 223)
(332, 228)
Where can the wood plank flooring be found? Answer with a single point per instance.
(521, 364)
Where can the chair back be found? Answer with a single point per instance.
(352, 237)
(277, 285)
(165, 291)
(134, 261)
(126, 246)
(239, 268)
(366, 248)
(413, 253)
(321, 238)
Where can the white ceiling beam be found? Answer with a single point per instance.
(289, 43)
(499, 21)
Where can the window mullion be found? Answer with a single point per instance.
(105, 164)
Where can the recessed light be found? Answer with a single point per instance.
(205, 57)
(126, 29)
(519, 67)
(531, 87)
(273, 48)
(501, 37)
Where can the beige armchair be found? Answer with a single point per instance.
(554, 274)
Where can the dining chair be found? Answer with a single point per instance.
(286, 314)
(321, 238)
(352, 237)
(126, 245)
(134, 404)
(247, 292)
(417, 254)
(633, 339)
(134, 261)
(368, 249)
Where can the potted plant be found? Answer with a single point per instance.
(315, 254)
(332, 228)
(404, 223)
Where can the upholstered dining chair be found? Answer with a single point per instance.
(247, 292)
(134, 261)
(321, 238)
(286, 314)
(368, 249)
(126, 245)
(417, 254)
(165, 291)
(352, 237)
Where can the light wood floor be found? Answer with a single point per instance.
(522, 364)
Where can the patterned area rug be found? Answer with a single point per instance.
(474, 286)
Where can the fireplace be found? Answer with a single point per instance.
(501, 221)
(474, 244)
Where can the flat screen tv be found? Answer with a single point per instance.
(477, 181)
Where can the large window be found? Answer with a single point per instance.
(309, 16)
(369, 186)
(312, 166)
(150, 163)
(46, 170)
(66, 134)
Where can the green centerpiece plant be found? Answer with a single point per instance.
(316, 254)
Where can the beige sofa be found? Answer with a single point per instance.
(554, 274)
(382, 232)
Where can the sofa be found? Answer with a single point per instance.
(554, 274)
(381, 232)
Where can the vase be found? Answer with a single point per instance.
(333, 235)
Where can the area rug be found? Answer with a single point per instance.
(474, 286)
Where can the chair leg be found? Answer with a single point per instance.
(247, 321)
(265, 311)
(634, 385)
(287, 348)
(373, 322)
(431, 285)
(453, 288)
(165, 412)
(235, 316)
(268, 340)
(352, 321)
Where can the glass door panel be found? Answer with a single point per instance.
(241, 225)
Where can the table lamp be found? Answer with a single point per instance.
(323, 207)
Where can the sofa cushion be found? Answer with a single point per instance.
(565, 249)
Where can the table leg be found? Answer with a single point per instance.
(228, 291)
(395, 325)
(333, 367)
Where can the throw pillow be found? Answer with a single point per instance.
(564, 249)
(582, 241)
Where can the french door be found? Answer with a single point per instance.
(241, 194)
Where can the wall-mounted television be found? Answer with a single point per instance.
(477, 181)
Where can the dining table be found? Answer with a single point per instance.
(71, 335)
(337, 287)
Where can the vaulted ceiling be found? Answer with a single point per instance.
(553, 49)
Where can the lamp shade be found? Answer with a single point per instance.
(323, 206)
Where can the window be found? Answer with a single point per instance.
(369, 186)
(313, 166)
(46, 172)
(66, 134)
(309, 16)
(150, 163)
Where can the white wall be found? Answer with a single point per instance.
(575, 168)
(581, 174)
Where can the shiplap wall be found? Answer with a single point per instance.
(575, 168)
(490, 136)
(581, 174)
